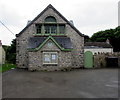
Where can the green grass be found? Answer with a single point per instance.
(6, 67)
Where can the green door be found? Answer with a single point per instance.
(88, 59)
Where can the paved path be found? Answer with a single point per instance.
(82, 83)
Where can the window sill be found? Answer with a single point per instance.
(49, 34)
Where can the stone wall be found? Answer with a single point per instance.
(36, 59)
(100, 59)
(21, 47)
(78, 45)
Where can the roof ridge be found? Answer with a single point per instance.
(50, 5)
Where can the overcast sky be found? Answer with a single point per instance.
(89, 16)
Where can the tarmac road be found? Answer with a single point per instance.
(82, 83)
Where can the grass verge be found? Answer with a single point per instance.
(6, 67)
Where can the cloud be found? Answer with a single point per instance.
(95, 16)
(6, 36)
(89, 16)
(10, 16)
(99, 14)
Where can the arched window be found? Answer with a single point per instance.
(50, 26)
(50, 19)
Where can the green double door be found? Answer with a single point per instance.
(88, 59)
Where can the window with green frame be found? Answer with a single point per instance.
(50, 26)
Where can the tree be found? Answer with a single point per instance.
(86, 38)
(112, 34)
(11, 52)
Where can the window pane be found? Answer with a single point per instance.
(53, 58)
(47, 29)
(53, 29)
(50, 19)
(50, 29)
(47, 58)
(62, 29)
(38, 28)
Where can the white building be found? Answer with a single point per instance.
(2, 54)
(98, 47)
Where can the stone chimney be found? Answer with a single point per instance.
(71, 21)
(28, 22)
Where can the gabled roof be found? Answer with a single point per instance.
(97, 45)
(50, 6)
(63, 43)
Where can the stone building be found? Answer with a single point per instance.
(49, 42)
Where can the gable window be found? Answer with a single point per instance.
(50, 29)
(50, 19)
(50, 57)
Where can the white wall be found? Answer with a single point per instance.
(99, 50)
(2, 56)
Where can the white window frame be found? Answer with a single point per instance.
(50, 55)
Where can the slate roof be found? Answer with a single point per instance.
(34, 42)
(64, 42)
(97, 45)
(50, 6)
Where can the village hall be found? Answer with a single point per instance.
(49, 42)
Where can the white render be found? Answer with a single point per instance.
(2, 56)
(99, 50)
